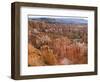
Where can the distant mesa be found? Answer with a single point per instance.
(61, 20)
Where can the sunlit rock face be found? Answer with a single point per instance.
(34, 56)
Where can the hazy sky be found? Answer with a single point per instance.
(38, 16)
